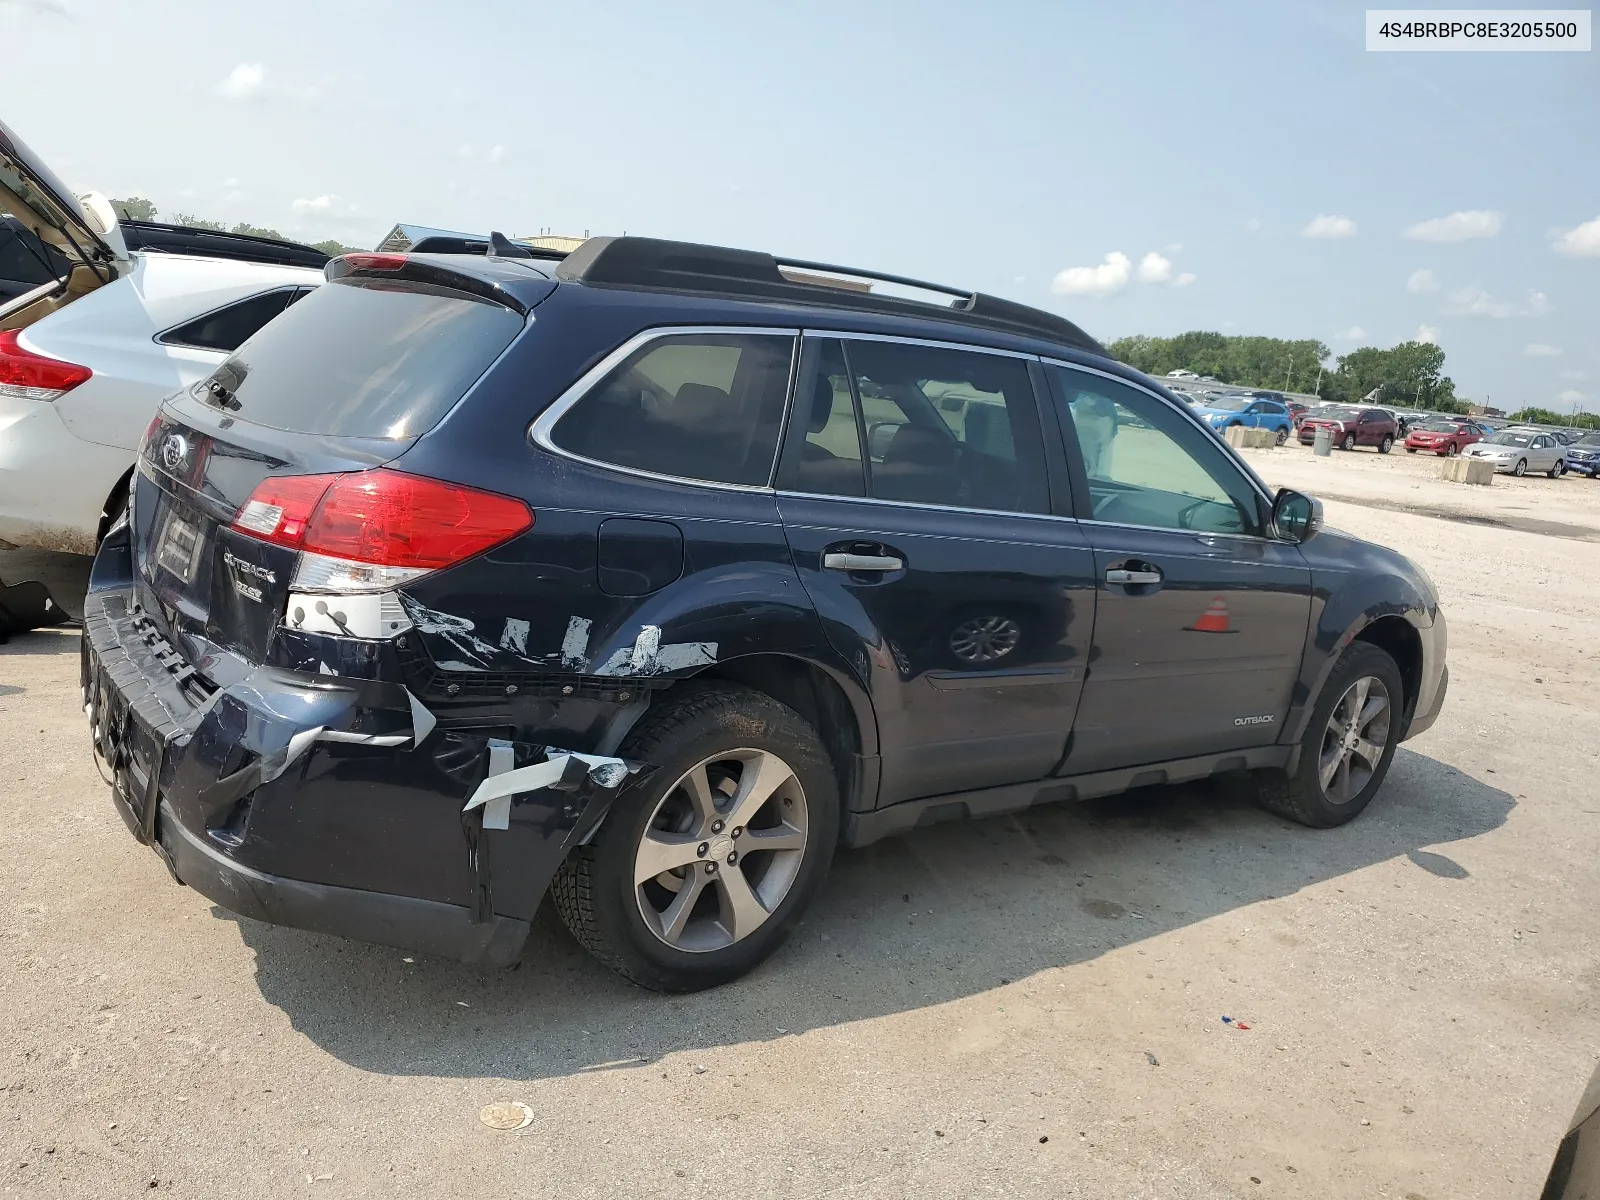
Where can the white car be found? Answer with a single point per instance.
(1520, 451)
(85, 359)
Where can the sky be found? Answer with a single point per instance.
(1140, 168)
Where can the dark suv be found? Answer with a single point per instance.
(649, 578)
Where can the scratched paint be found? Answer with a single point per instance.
(474, 654)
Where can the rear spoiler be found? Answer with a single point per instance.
(381, 265)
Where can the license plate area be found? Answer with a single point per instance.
(179, 547)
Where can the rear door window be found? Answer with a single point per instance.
(360, 357)
(948, 427)
(701, 406)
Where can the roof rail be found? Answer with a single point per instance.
(215, 243)
(688, 266)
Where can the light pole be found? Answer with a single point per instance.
(1288, 373)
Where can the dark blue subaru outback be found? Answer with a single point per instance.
(649, 576)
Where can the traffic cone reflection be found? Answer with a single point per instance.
(1214, 619)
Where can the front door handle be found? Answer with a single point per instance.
(862, 562)
(1120, 575)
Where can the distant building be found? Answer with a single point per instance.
(1483, 410)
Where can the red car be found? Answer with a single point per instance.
(1351, 427)
(1444, 438)
(1296, 411)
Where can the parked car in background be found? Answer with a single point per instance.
(1227, 412)
(1583, 456)
(1518, 452)
(701, 576)
(1297, 409)
(87, 353)
(1444, 438)
(1350, 427)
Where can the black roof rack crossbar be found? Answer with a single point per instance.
(640, 262)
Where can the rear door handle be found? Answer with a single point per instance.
(862, 562)
(1119, 575)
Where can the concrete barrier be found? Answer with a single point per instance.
(1467, 470)
(1250, 439)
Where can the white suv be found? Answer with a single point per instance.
(86, 358)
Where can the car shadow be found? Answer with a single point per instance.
(44, 641)
(937, 915)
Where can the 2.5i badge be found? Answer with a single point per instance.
(242, 571)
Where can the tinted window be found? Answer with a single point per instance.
(1147, 464)
(695, 406)
(229, 328)
(949, 427)
(364, 358)
(825, 442)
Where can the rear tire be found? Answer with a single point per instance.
(1349, 442)
(1357, 771)
(711, 733)
(1557, 471)
(1386, 445)
(1283, 436)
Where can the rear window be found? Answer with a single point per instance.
(363, 358)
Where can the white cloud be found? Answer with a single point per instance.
(1473, 301)
(316, 204)
(243, 81)
(1110, 276)
(1329, 227)
(230, 182)
(1457, 227)
(1253, 224)
(1582, 242)
(464, 150)
(1422, 282)
(326, 207)
(1580, 375)
(1540, 350)
(1354, 334)
(1155, 269)
(496, 153)
(1428, 334)
(1184, 280)
(1571, 396)
(1174, 247)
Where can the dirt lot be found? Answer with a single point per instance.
(1020, 1007)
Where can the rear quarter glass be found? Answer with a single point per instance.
(364, 358)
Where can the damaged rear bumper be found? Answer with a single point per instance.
(329, 804)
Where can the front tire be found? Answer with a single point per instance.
(1348, 745)
(699, 873)
(1521, 468)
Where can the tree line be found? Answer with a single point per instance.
(1410, 374)
(136, 208)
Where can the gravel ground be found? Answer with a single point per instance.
(1016, 1007)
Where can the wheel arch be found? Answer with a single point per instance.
(114, 501)
(834, 706)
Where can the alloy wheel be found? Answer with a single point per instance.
(981, 640)
(1452, 450)
(1354, 741)
(721, 850)
(1349, 442)
(1521, 468)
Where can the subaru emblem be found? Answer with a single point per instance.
(174, 450)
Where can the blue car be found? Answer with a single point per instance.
(1583, 456)
(1225, 412)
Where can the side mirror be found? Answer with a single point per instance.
(1295, 518)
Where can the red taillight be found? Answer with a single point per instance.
(32, 376)
(375, 262)
(381, 517)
